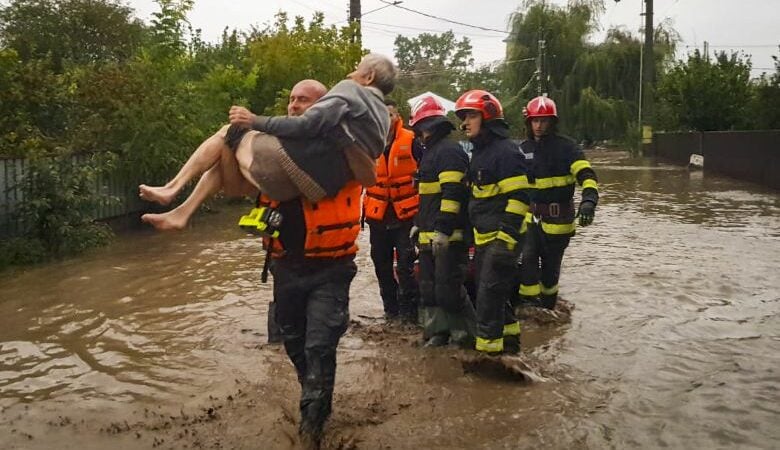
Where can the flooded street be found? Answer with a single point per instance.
(159, 340)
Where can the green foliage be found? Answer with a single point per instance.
(60, 199)
(765, 107)
(283, 55)
(70, 31)
(707, 94)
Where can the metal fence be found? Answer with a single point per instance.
(118, 196)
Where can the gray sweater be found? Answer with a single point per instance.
(349, 110)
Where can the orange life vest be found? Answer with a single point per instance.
(332, 224)
(394, 180)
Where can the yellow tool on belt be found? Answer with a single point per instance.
(263, 220)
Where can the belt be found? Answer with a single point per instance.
(553, 210)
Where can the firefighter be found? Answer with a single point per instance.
(497, 208)
(555, 165)
(389, 209)
(441, 228)
(313, 250)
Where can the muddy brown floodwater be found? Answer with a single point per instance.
(158, 341)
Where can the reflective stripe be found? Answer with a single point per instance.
(549, 290)
(425, 237)
(490, 345)
(578, 165)
(450, 206)
(551, 182)
(512, 329)
(451, 176)
(429, 188)
(510, 241)
(485, 191)
(532, 290)
(484, 238)
(516, 207)
(558, 228)
(513, 183)
(590, 183)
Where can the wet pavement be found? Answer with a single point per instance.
(158, 341)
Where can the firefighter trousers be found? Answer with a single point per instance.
(541, 266)
(387, 244)
(449, 311)
(496, 266)
(312, 312)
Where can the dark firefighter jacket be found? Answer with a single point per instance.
(555, 164)
(499, 199)
(442, 189)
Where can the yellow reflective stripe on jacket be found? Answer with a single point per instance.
(485, 191)
(432, 187)
(451, 176)
(425, 237)
(484, 238)
(532, 290)
(450, 206)
(513, 183)
(578, 165)
(549, 290)
(516, 207)
(590, 183)
(510, 241)
(489, 345)
(551, 182)
(512, 329)
(558, 228)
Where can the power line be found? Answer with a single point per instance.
(444, 19)
(432, 30)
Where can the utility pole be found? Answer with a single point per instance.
(648, 78)
(541, 68)
(354, 11)
(354, 16)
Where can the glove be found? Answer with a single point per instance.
(586, 212)
(263, 220)
(439, 243)
(414, 233)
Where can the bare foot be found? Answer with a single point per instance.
(169, 221)
(162, 195)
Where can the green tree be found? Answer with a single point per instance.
(76, 31)
(281, 55)
(765, 106)
(707, 94)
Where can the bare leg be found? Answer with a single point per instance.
(224, 175)
(176, 219)
(205, 157)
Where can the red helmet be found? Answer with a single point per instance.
(426, 107)
(482, 101)
(541, 106)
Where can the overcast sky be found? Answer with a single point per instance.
(747, 25)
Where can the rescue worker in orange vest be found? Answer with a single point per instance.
(389, 208)
(556, 164)
(313, 247)
(497, 208)
(441, 228)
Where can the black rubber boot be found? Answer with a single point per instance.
(548, 301)
(512, 345)
(437, 340)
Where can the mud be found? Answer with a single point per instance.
(159, 340)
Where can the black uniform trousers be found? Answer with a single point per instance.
(541, 262)
(399, 296)
(312, 312)
(496, 268)
(441, 286)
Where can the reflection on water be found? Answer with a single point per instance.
(673, 343)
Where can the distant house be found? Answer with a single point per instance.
(448, 104)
